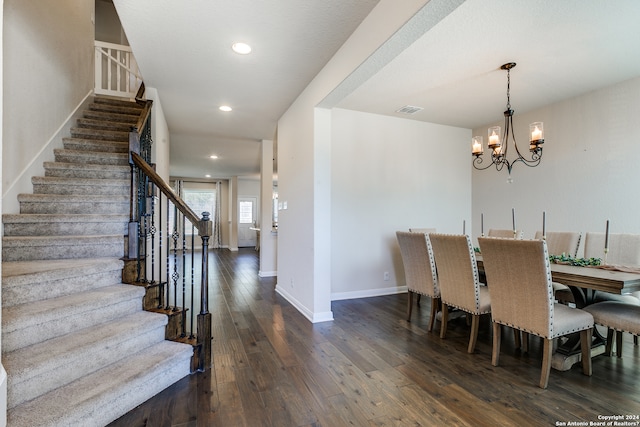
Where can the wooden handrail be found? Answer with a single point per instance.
(167, 190)
(144, 115)
(140, 93)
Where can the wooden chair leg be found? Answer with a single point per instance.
(516, 338)
(497, 335)
(443, 322)
(585, 347)
(434, 311)
(609, 346)
(525, 342)
(619, 343)
(473, 338)
(546, 362)
(409, 305)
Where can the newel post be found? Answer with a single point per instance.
(204, 338)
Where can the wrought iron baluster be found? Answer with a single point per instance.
(175, 276)
(184, 283)
(152, 232)
(191, 314)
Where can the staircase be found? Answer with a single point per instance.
(76, 344)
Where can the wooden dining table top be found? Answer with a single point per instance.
(600, 279)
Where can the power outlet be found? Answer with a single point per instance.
(386, 276)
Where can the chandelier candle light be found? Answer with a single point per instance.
(499, 146)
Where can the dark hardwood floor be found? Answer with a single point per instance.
(369, 367)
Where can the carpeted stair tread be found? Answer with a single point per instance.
(108, 100)
(17, 241)
(72, 185)
(110, 116)
(30, 281)
(105, 395)
(55, 269)
(28, 324)
(96, 145)
(46, 218)
(99, 134)
(81, 170)
(25, 248)
(72, 203)
(126, 110)
(64, 224)
(91, 157)
(103, 124)
(41, 367)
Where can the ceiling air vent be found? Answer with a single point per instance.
(409, 109)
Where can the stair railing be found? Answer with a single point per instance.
(116, 70)
(159, 227)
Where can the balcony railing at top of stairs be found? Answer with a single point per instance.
(116, 70)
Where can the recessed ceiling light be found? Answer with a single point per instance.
(241, 48)
(225, 108)
(213, 156)
(207, 176)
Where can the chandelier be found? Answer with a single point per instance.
(499, 147)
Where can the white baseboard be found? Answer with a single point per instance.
(267, 273)
(368, 293)
(311, 316)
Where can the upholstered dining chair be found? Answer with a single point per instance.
(507, 234)
(419, 270)
(459, 281)
(618, 317)
(558, 243)
(624, 250)
(519, 281)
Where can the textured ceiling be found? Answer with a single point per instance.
(446, 60)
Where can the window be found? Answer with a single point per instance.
(199, 201)
(245, 216)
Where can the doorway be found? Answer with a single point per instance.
(247, 219)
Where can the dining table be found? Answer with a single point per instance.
(585, 282)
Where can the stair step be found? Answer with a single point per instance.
(64, 224)
(27, 324)
(42, 367)
(117, 109)
(30, 248)
(112, 117)
(103, 124)
(63, 185)
(70, 204)
(117, 101)
(78, 170)
(91, 157)
(30, 281)
(98, 134)
(96, 145)
(104, 396)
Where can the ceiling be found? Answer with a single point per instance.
(562, 48)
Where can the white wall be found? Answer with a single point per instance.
(589, 172)
(48, 72)
(160, 135)
(304, 175)
(390, 174)
(3, 372)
